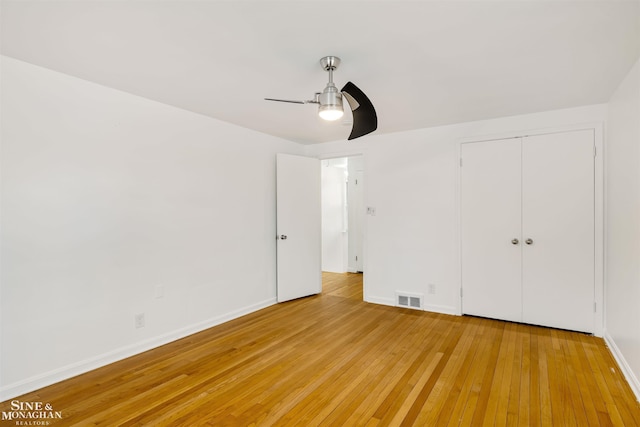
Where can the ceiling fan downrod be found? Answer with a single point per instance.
(330, 99)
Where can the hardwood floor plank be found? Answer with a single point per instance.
(474, 381)
(452, 408)
(518, 375)
(524, 418)
(487, 405)
(405, 382)
(427, 372)
(432, 382)
(362, 403)
(437, 409)
(546, 412)
(582, 390)
(534, 403)
(505, 385)
(339, 378)
(401, 359)
(333, 359)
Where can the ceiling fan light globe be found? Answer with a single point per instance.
(330, 103)
(330, 112)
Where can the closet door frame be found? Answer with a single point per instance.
(599, 208)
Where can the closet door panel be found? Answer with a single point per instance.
(558, 217)
(490, 220)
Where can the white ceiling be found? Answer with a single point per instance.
(422, 63)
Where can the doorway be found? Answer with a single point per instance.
(342, 183)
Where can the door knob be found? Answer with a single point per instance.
(515, 241)
(283, 237)
(529, 242)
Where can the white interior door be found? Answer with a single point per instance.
(491, 229)
(558, 217)
(299, 227)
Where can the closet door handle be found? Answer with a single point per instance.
(515, 241)
(529, 242)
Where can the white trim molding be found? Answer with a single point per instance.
(380, 300)
(442, 309)
(48, 378)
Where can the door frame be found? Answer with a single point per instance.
(599, 208)
(354, 153)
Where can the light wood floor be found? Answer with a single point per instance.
(335, 360)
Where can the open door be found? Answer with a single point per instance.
(298, 226)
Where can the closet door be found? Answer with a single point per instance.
(491, 229)
(558, 218)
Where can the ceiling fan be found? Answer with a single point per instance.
(329, 102)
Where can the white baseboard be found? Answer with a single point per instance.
(442, 309)
(624, 366)
(381, 301)
(38, 381)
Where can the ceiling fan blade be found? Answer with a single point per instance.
(285, 100)
(365, 119)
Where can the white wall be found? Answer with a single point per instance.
(411, 180)
(113, 205)
(623, 225)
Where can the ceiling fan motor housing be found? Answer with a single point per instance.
(330, 96)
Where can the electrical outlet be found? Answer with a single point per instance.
(371, 211)
(431, 289)
(139, 320)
